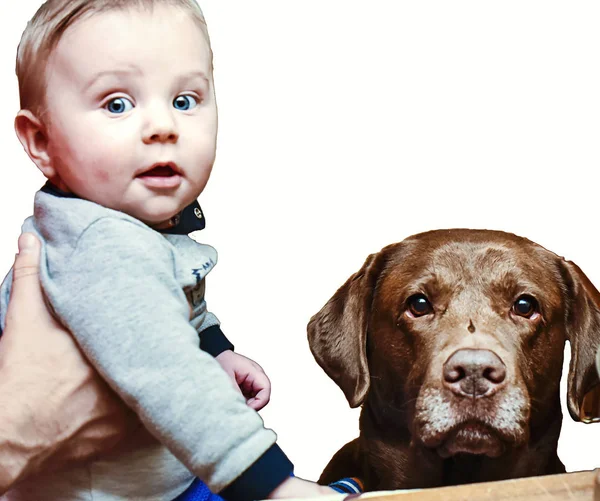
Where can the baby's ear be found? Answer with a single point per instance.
(32, 133)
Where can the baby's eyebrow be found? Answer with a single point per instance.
(183, 79)
(111, 73)
(192, 75)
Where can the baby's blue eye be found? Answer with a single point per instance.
(184, 102)
(119, 105)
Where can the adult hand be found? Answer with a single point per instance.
(56, 410)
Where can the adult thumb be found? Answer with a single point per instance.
(26, 290)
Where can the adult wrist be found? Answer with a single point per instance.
(13, 458)
(21, 447)
(14, 464)
(8, 474)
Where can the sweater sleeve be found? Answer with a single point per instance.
(118, 295)
(213, 341)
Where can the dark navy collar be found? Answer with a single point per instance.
(187, 221)
(57, 192)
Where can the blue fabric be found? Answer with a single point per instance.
(348, 485)
(198, 491)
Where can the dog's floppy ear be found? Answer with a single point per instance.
(583, 332)
(337, 335)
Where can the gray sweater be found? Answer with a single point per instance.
(134, 300)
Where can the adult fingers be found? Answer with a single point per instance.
(26, 297)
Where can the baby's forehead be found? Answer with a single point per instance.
(129, 43)
(172, 16)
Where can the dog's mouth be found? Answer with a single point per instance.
(471, 438)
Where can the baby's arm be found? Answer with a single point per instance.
(118, 295)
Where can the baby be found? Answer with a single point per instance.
(118, 112)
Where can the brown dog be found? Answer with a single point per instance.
(452, 341)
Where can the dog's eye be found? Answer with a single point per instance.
(419, 305)
(525, 306)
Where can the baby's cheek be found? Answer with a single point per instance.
(101, 175)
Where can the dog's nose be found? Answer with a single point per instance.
(474, 373)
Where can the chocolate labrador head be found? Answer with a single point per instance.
(452, 341)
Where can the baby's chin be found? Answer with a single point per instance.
(157, 209)
(159, 217)
(160, 222)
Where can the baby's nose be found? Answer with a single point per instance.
(160, 127)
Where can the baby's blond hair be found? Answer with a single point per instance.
(48, 25)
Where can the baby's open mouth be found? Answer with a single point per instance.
(159, 171)
(161, 177)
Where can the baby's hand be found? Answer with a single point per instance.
(249, 378)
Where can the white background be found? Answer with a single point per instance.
(347, 125)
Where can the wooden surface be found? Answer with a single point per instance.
(565, 487)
